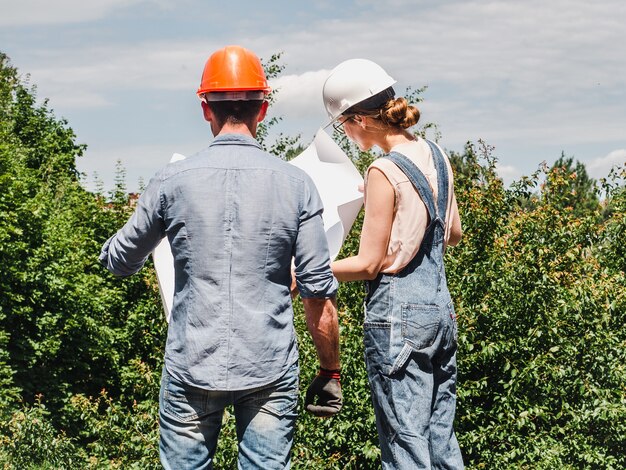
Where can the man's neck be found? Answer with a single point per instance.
(229, 128)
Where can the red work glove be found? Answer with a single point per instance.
(326, 387)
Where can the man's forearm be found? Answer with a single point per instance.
(322, 323)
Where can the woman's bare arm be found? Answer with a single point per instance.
(379, 208)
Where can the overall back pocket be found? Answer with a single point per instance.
(420, 324)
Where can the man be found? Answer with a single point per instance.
(235, 217)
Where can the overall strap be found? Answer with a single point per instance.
(419, 181)
(442, 181)
(414, 174)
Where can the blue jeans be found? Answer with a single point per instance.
(190, 420)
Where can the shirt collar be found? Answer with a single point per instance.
(235, 139)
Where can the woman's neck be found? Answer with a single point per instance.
(390, 139)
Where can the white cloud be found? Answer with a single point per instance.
(101, 73)
(518, 74)
(508, 173)
(40, 12)
(500, 70)
(492, 54)
(600, 167)
(529, 48)
(300, 95)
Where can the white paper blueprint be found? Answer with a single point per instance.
(164, 266)
(337, 181)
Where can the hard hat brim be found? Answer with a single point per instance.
(248, 95)
(371, 102)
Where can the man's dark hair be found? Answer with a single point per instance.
(236, 112)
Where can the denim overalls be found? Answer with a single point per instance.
(410, 344)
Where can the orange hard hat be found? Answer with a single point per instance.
(232, 72)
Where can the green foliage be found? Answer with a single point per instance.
(116, 435)
(541, 326)
(577, 190)
(67, 328)
(29, 441)
(349, 439)
(282, 144)
(613, 254)
(537, 281)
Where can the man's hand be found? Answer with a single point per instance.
(326, 387)
(323, 397)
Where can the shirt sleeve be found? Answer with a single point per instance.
(311, 256)
(126, 252)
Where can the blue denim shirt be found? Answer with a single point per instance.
(234, 216)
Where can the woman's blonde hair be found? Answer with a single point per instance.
(395, 112)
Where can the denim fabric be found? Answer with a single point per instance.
(410, 336)
(234, 216)
(190, 420)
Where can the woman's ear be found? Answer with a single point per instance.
(360, 120)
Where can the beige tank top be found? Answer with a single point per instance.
(410, 214)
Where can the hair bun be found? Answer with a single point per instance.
(397, 112)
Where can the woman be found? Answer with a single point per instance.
(411, 215)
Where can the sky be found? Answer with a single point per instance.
(531, 78)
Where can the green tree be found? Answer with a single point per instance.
(67, 328)
(581, 192)
(282, 143)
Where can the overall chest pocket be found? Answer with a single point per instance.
(420, 324)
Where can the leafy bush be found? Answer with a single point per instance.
(541, 326)
(67, 328)
(29, 441)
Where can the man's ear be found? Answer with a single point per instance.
(263, 111)
(206, 111)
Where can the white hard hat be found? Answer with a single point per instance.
(352, 82)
